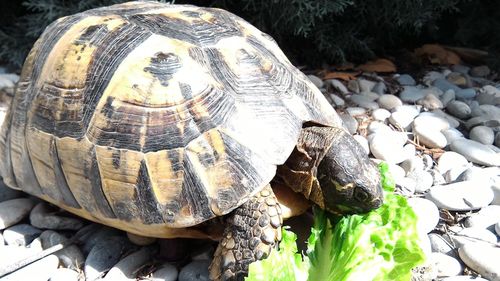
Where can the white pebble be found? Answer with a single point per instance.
(476, 152)
(450, 160)
(363, 142)
(482, 134)
(461, 196)
(482, 258)
(389, 102)
(381, 114)
(446, 265)
(427, 214)
(485, 218)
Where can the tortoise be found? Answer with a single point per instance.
(166, 120)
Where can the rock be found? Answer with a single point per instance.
(444, 85)
(8, 80)
(40, 270)
(64, 274)
(403, 116)
(103, 256)
(468, 93)
(7, 193)
(316, 81)
(70, 257)
(406, 185)
(381, 114)
(464, 278)
(165, 272)
(452, 121)
(482, 120)
(447, 97)
(380, 88)
(437, 178)
(431, 121)
(482, 258)
(336, 100)
(480, 71)
(441, 245)
(195, 271)
(355, 111)
(461, 196)
(12, 253)
(446, 265)
(43, 217)
(486, 98)
(102, 233)
(450, 160)
(458, 109)
(388, 147)
(411, 164)
(396, 172)
(353, 86)
(497, 228)
(430, 138)
(126, 269)
(36, 244)
(451, 134)
(432, 76)
(140, 240)
(432, 91)
(485, 218)
(20, 234)
(411, 94)
(427, 214)
(452, 174)
(406, 80)
(430, 102)
(363, 142)
(371, 95)
(350, 123)
(338, 86)
(423, 180)
(460, 68)
(475, 152)
(14, 210)
(497, 139)
(366, 85)
(473, 235)
(457, 79)
(364, 101)
(428, 162)
(482, 134)
(376, 126)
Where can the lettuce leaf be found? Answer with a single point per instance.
(379, 245)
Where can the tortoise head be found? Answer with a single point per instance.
(349, 180)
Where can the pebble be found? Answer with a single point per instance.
(468, 93)
(14, 210)
(355, 111)
(8, 80)
(126, 269)
(497, 228)
(475, 152)
(460, 68)
(195, 271)
(450, 160)
(43, 217)
(336, 100)
(7, 193)
(166, 272)
(473, 235)
(457, 79)
(446, 265)
(388, 147)
(71, 256)
(406, 80)
(452, 174)
(482, 258)
(497, 139)
(439, 244)
(427, 214)
(364, 101)
(437, 178)
(380, 88)
(103, 256)
(102, 233)
(411, 94)
(40, 270)
(432, 76)
(64, 274)
(21, 234)
(485, 218)
(381, 114)
(316, 81)
(423, 180)
(339, 86)
(353, 86)
(458, 109)
(363, 142)
(403, 116)
(461, 196)
(452, 121)
(464, 278)
(411, 164)
(429, 137)
(366, 85)
(445, 85)
(447, 97)
(482, 134)
(350, 123)
(480, 71)
(371, 95)
(406, 185)
(430, 102)
(396, 171)
(431, 121)
(488, 95)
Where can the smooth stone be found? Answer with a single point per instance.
(140, 240)
(480, 71)
(7, 193)
(366, 85)
(445, 85)
(103, 256)
(42, 216)
(65, 274)
(316, 81)
(482, 120)
(102, 233)
(463, 278)
(377, 126)
(396, 172)
(339, 86)
(126, 269)
(363, 142)
(406, 80)
(458, 109)
(447, 97)
(353, 86)
(195, 271)
(482, 258)
(427, 214)
(497, 228)
(411, 164)
(409, 150)
(485, 218)
(488, 95)
(8, 80)
(381, 114)
(476, 152)
(457, 79)
(473, 235)
(430, 102)
(36, 244)
(488, 111)
(11, 253)
(428, 162)
(14, 210)
(476, 173)
(389, 102)
(371, 95)
(411, 94)
(452, 121)
(430, 138)
(452, 134)
(388, 147)
(406, 185)
(336, 100)
(461, 196)
(380, 88)
(431, 121)
(446, 72)
(450, 160)
(166, 272)
(468, 93)
(71, 256)
(497, 139)
(437, 178)
(446, 265)
(355, 111)
(432, 76)
(460, 68)
(40, 270)
(452, 174)
(439, 244)
(21, 234)
(482, 134)
(423, 180)
(401, 119)
(363, 101)
(350, 123)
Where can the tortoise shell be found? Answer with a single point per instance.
(147, 116)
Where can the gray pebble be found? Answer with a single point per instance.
(445, 85)
(488, 98)
(439, 244)
(451, 134)
(339, 86)
(461, 196)
(70, 257)
(64, 274)
(388, 146)
(21, 234)
(473, 235)
(350, 123)
(437, 178)
(389, 102)
(353, 86)
(460, 68)
(497, 228)
(103, 256)
(429, 137)
(363, 101)
(468, 93)
(406, 80)
(423, 180)
(43, 217)
(464, 278)
(14, 210)
(7, 193)
(480, 71)
(447, 97)
(2, 241)
(452, 174)
(432, 76)
(475, 152)
(430, 102)
(411, 94)
(432, 121)
(40, 270)
(126, 268)
(102, 233)
(411, 164)
(406, 185)
(482, 134)
(381, 114)
(355, 111)
(380, 88)
(195, 271)
(166, 272)
(497, 139)
(446, 265)
(458, 109)
(336, 100)
(365, 85)
(452, 121)
(363, 142)
(316, 81)
(482, 258)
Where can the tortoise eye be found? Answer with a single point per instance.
(360, 195)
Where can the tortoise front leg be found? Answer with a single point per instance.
(251, 232)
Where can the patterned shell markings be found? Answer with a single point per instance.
(154, 113)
